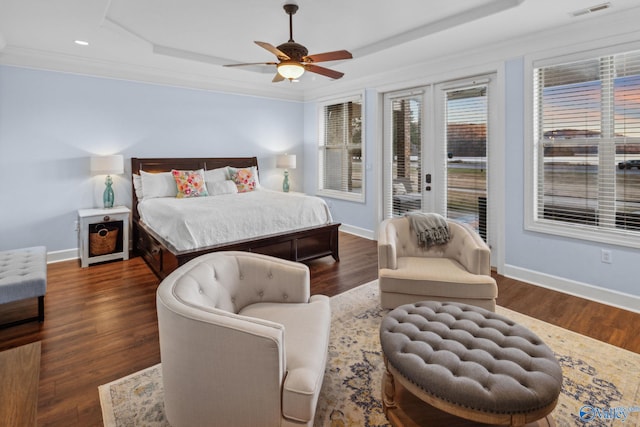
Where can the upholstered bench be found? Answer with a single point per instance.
(469, 362)
(23, 274)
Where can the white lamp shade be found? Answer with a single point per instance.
(107, 165)
(286, 161)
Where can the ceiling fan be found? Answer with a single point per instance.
(293, 59)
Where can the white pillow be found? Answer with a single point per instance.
(158, 185)
(254, 169)
(222, 187)
(137, 186)
(215, 175)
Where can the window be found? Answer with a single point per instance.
(340, 154)
(586, 145)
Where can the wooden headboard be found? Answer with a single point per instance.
(155, 165)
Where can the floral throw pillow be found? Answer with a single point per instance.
(246, 179)
(190, 183)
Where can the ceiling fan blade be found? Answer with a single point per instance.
(277, 78)
(328, 56)
(324, 71)
(250, 63)
(271, 48)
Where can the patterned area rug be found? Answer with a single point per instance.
(601, 384)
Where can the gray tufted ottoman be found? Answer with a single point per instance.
(466, 363)
(23, 274)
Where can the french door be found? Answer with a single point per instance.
(436, 151)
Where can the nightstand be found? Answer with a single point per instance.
(103, 234)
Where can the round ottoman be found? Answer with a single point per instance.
(469, 363)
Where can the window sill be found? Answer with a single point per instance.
(341, 195)
(618, 237)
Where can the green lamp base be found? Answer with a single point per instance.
(108, 196)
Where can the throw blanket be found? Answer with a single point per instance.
(431, 228)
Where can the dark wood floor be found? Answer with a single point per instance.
(101, 323)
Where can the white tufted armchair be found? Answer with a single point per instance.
(242, 342)
(459, 270)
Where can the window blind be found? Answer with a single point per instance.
(587, 143)
(404, 192)
(340, 150)
(466, 117)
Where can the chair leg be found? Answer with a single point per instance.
(41, 308)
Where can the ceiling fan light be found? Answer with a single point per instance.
(290, 69)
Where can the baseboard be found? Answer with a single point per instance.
(357, 231)
(578, 289)
(65, 255)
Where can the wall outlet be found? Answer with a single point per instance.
(606, 256)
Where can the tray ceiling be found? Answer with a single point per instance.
(189, 40)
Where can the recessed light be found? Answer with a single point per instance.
(82, 42)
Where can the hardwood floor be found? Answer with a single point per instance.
(101, 323)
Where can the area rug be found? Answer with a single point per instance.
(601, 385)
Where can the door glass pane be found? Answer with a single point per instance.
(406, 130)
(466, 147)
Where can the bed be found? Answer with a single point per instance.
(163, 254)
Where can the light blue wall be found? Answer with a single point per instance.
(360, 215)
(577, 260)
(51, 123)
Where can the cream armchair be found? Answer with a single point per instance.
(459, 270)
(242, 342)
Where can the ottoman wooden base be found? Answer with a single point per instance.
(404, 409)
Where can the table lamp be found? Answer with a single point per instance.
(107, 165)
(286, 161)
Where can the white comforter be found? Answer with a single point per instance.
(204, 221)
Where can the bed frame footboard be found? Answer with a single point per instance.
(299, 245)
